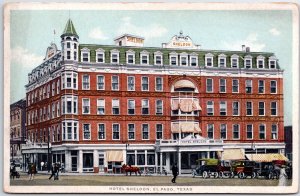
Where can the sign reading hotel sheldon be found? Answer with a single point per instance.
(181, 41)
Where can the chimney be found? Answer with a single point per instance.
(247, 49)
(243, 48)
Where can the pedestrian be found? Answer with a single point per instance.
(56, 169)
(282, 176)
(174, 172)
(42, 165)
(31, 171)
(53, 171)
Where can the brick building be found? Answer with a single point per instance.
(97, 107)
(17, 129)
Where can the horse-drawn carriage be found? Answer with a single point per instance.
(131, 169)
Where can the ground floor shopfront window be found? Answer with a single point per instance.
(88, 162)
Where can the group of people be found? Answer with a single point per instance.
(55, 167)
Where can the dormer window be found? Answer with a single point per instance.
(260, 62)
(209, 60)
(248, 62)
(100, 56)
(130, 57)
(193, 59)
(234, 61)
(114, 56)
(173, 58)
(144, 58)
(158, 58)
(85, 55)
(272, 62)
(183, 59)
(222, 60)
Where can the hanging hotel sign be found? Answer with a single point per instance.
(181, 41)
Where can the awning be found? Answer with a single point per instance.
(196, 105)
(184, 84)
(186, 105)
(114, 156)
(185, 127)
(175, 104)
(266, 157)
(233, 154)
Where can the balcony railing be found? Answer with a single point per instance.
(35, 145)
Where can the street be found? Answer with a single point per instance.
(122, 180)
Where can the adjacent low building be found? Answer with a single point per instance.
(95, 107)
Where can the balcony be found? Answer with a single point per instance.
(188, 142)
(35, 146)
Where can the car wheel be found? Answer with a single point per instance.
(221, 175)
(253, 175)
(205, 174)
(241, 175)
(216, 175)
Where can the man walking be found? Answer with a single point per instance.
(174, 172)
(53, 171)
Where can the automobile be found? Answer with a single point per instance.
(225, 170)
(243, 169)
(208, 169)
(266, 170)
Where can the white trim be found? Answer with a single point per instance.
(248, 57)
(115, 52)
(212, 90)
(258, 59)
(222, 56)
(100, 51)
(133, 83)
(173, 54)
(223, 79)
(98, 82)
(112, 131)
(251, 108)
(263, 108)
(112, 83)
(271, 87)
(238, 85)
(143, 54)
(213, 130)
(147, 83)
(89, 131)
(89, 106)
(130, 52)
(158, 54)
(99, 131)
(162, 84)
(84, 51)
(131, 131)
(209, 56)
(225, 130)
(252, 131)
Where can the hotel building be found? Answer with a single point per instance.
(96, 107)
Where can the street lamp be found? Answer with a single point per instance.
(126, 152)
(48, 155)
(12, 145)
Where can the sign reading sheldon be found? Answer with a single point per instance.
(181, 41)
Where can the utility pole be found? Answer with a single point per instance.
(48, 156)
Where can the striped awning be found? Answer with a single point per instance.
(186, 105)
(184, 84)
(233, 154)
(266, 157)
(114, 156)
(185, 127)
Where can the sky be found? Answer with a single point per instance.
(32, 31)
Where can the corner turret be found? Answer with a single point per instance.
(69, 42)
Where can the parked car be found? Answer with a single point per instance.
(243, 169)
(225, 170)
(208, 169)
(266, 170)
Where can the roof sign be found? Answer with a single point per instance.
(181, 41)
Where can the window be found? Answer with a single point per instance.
(145, 131)
(58, 87)
(116, 106)
(273, 86)
(236, 131)
(68, 45)
(68, 55)
(86, 82)
(75, 55)
(53, 89)
(209, 85)
(101, 131)
(249, 131)
(158, 58)
(131, 107)
(85, 56)
(235, 108)
(209, 60)
(222, 60)
(158, 83)
(210, 131)
(101, 106)
(262, 132)
(114, 56)
(249, 108)
(173, 60)
(53, 110)
(234, 61)
(145, 83)
(100, 57)
(130, 83)
(130, 57)
(100, 83)
(131, 132)
(248, 62)
(248, 86)
(144, 59)
(223, 108)
(274, 108)
(115, 83)
(145, 106)
(48, 91)
(261, 86)
(159, 131)
(116, 131)
(235, 85)
(223, 129)
(85, 106)
(86, 131)
(183, 59)
(159, 107)
(261, 108)
(69, 130)
(140, 157)
(222, 86)
(272, 64)
(193, 61)
(58, 110)
(210, 108)
(69, 80)
(69, 104)
(260, 63)
(274, 132)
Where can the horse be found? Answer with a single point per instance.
(130, 169)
